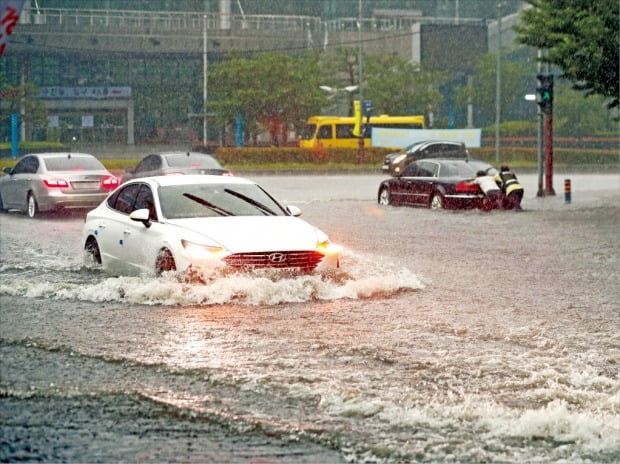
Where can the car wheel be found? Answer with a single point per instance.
(92, 251)
(437, 201)
(2, 208)
(165, 262)
(32, 206)
(384, 196)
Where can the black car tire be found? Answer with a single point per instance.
(436, 201)
(32, 207)
(92, 250)
(384, 197)
(165, 262)
(2, 208)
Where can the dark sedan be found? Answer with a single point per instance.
(395, 163)
(176, 162)
(436, 184)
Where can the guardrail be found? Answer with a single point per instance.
(158, 20)
(192, 21)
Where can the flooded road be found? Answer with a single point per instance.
(447, 337)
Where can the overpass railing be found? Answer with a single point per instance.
(162, 21)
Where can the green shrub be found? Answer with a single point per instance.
(253, 155)
(566, 156)
(31, 147)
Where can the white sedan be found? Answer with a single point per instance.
(166, 223)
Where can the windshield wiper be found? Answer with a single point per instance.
(208, 204)
(264, 209)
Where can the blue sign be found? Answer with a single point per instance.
(239, 130)
(14, 134)
(367, 106)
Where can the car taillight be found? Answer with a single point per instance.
(109, 183)
(56, 183)
(465, 187)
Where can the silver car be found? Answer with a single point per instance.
(175, 162)
(50, 181)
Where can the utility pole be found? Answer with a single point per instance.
(545, 101)
(539, 141)
(498, 80)
(204, 81)
(360, 149)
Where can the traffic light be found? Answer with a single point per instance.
(544, 90)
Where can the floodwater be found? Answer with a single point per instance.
(445, 337)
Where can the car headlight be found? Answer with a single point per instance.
(399, 158)
(200, 251)
(328, 248)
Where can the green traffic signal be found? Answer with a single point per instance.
(544, 90)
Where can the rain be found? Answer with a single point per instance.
(442, 336)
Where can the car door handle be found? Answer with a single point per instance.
(127, 232)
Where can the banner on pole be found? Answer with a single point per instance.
(9, 16)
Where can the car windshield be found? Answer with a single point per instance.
(73, 163)
(464, 170)
(210, 200)
(482, 166)
(412, 147)
(193, 160)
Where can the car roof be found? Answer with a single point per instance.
(60, 155)
(181, 152)
(450, 160)
(190, 179)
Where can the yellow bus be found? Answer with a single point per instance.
(337, 131)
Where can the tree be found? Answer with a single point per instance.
(21, 99)
(575, 117)
(398, 87)
(270, 90)
(516, 80)
(581, 37)
(394, 85)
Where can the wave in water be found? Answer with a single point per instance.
(359, 277)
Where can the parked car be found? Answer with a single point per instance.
(395, 163)
(51, 181)
(165, 223)
(436, 184)
(175, 162)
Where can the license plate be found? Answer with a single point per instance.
(90, 185)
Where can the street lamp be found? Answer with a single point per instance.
(336, 91)
(333, 91)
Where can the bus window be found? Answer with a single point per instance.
(325, 132)
(344, 131)
(307, 133)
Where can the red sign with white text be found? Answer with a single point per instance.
(9, 15)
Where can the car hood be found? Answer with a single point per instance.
(241, 234)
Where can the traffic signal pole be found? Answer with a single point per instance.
(548, 150)
(544, 92)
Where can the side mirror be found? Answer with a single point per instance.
(7, 170)
(293, 210)
(141, 215)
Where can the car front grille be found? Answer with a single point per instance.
(303, 260)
